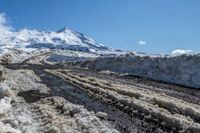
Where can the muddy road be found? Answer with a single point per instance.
(119, 103)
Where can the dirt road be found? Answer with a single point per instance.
(117, 103)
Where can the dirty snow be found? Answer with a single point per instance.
(67, 55)
(183, 69)
(22, 117)
(6, 110)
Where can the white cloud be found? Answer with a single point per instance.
(4, 28)
(141, 42)
(177, 52)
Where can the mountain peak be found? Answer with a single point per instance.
(64, 29)
(65, 38)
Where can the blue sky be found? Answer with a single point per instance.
(151, 26)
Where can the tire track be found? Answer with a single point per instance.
(180, 92)
(178, 121)
(131, 107)
(182, 107)
(123, 121)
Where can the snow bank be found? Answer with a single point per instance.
(67, 55)
(6, 114)
(183, 69)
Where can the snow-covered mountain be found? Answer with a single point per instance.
(65, 38)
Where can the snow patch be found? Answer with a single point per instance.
(6, 114)
(4, 90)
(5, 106)
(178, 52)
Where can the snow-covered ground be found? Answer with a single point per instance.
(6, 114)
(20, 116)
(182, 69)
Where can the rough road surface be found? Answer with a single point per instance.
(66, 99)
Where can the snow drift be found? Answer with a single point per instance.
(183, 69)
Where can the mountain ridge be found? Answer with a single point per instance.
(65, 38)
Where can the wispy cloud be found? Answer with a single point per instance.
(177, 52)
(142, 42)
(4, 27)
